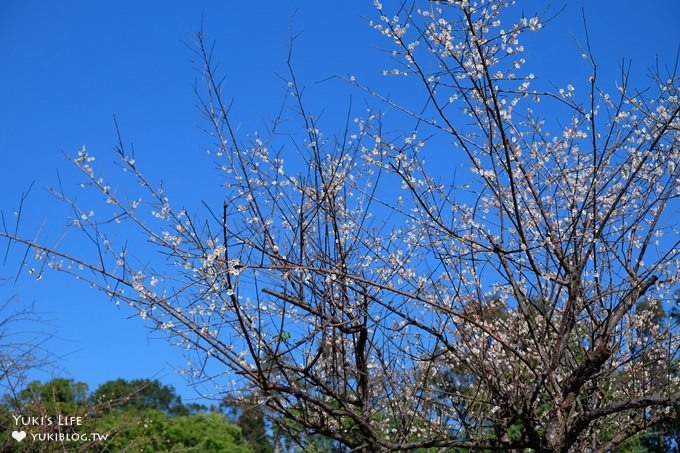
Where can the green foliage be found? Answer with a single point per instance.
(140, 415)
(153, 430)
(140, 394)
(249, 416)
(58, 395)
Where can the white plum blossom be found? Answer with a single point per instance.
(474, 263)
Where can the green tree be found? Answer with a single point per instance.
(152, 430)
(59, 395)
(140, 415)
(247, 413)
(140, 394)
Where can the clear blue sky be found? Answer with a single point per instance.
(66, 68)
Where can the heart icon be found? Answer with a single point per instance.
(19, 435)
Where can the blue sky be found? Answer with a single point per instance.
(66, 68)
